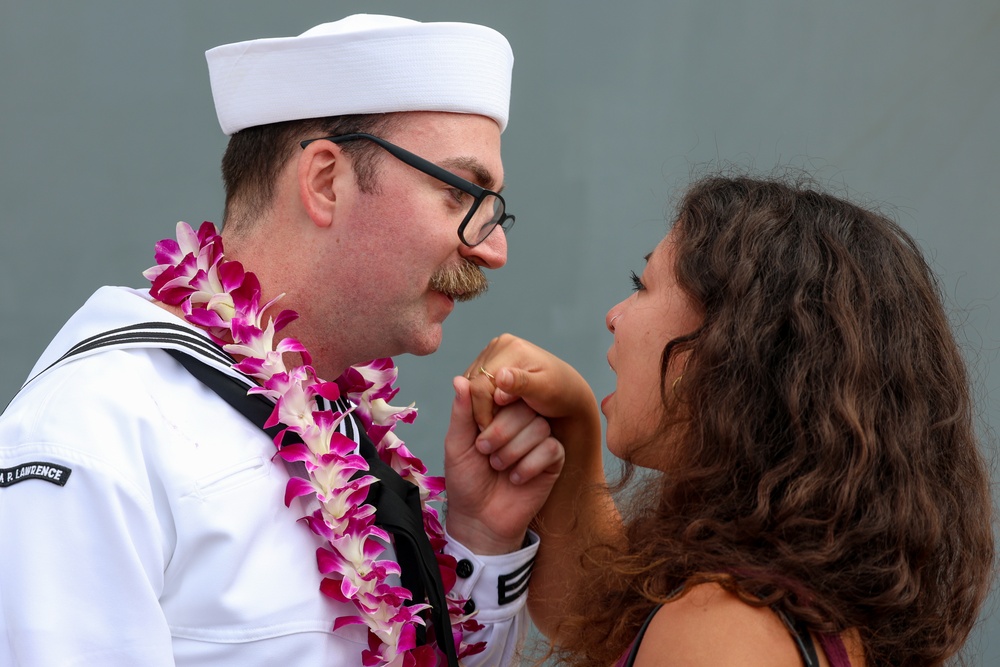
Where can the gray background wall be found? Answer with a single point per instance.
(108, 137)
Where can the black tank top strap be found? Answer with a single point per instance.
(802, 638)
(638, 638)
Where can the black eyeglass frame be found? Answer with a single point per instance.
(505, 221)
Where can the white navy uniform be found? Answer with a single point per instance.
(142, 523)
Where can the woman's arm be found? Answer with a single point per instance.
(579, 512)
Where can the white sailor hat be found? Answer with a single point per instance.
(364, 63)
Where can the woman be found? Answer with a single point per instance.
(786, 365)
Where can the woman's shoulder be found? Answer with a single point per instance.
(709, 625)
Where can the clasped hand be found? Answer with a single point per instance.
(501, 456)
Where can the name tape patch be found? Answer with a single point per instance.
(47, 472)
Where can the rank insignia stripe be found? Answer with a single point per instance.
(53, 473)
(514, 585)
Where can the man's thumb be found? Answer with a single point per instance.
(462, 430)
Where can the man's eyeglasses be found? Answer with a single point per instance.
(488, 209)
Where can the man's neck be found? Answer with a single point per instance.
(291, 359)
(258, 250)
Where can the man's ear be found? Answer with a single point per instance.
(320, 166)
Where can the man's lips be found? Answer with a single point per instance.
(445, 303)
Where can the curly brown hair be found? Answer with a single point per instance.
(827, 463)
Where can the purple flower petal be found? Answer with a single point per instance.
(294, 453)
(297, 487)
(346, 620)
(230, 275)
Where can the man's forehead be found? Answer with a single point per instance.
(464, 143)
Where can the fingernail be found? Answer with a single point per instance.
(496, 462)
(515, 478)
(484, 446)
(505, 377)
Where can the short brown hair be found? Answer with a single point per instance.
(255, 156)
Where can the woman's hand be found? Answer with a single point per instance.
(516, 369)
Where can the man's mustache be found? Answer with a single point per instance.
(462, 283)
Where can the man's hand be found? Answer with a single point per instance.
(498, 479)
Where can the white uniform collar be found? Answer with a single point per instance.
(111, 308)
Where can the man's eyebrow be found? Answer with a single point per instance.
(481, 176)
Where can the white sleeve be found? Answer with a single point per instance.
(81, 563)
(497, 587)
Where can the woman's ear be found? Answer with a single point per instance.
(320, 165)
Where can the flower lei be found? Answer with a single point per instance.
(224, 300)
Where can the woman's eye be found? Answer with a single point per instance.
(637, 285)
